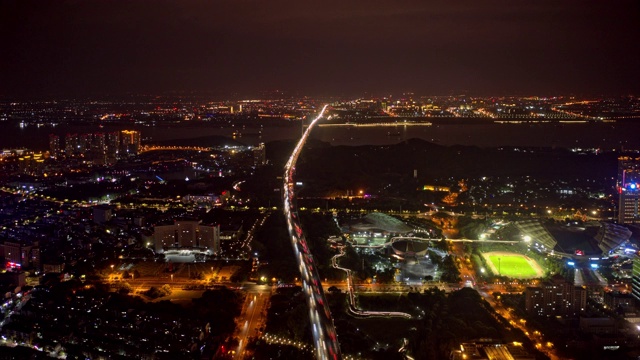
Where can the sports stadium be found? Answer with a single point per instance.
(582, 244)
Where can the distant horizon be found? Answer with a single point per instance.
(210, 96)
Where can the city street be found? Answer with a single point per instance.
(252, 318)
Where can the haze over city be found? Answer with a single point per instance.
(331, 48)
(241, 179)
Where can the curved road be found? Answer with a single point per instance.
(324, 332)
(352, 299)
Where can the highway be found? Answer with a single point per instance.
(325, 339)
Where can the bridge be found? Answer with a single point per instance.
(147, 148)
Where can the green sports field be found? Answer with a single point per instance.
(515, 266)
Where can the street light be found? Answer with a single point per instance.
(527, 238)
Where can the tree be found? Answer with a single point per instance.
(434, 257)
(125, 288)
(450, 272)
(166, 289)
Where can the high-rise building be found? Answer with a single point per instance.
(628, 186)
(555, 297)
(259, 155)
(130, 142)
(71, 144)
(54, 145)
(84, 144)
(113, 145)
(99, 149)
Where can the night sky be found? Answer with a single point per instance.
(329, 47)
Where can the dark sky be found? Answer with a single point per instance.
(328, 47)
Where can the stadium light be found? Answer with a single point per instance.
(527, 238)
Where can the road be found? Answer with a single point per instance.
(252, 318)
(353, 309)
(325, 339)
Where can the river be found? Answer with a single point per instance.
(585, 135)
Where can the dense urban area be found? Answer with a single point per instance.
(162, 228)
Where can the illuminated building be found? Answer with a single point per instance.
(209, 237)
(31, 164)
(71, 144)
(259, 155)
(542, 239)
(555, 297)
(98, 149)
(130, 142)
(611, 236)
(18, 255)
(12, 252)
(188, 234)
(85, 143)
(628, 190)
(54, 145)
(112, 146)
(436, 188)
(614, 299)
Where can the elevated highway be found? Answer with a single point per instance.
(324, 333)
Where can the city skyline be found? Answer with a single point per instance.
(236, 179)
(56, 49)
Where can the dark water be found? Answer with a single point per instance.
(585, 135)
(600, 135)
